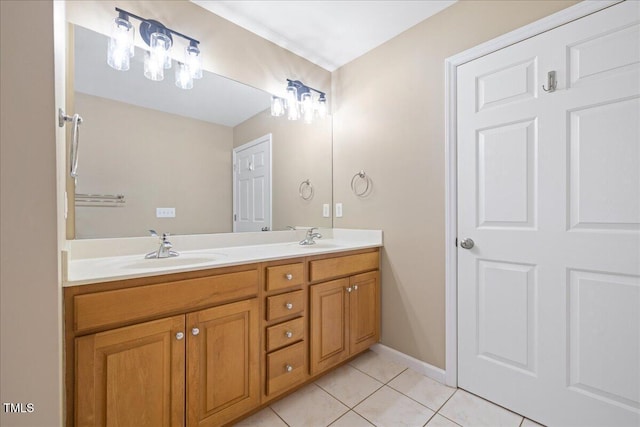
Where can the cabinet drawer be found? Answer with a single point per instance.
(343, 266)
(285, 333)
(285, 367)
(285, 305)
(122, 306)
(284, 276)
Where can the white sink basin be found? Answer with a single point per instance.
(319, 245)
(179, 261)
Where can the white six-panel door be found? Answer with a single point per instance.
(549, 191)
(252, 185)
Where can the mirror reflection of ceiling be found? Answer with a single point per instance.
(214, 99)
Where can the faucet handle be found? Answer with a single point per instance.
(153, 233)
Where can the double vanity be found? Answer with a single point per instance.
(212, 335)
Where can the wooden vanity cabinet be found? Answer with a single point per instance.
(205, 348)
(199, 367)
(345, 313)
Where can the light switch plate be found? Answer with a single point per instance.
(338, 210)
(165, 212)
(325, 210)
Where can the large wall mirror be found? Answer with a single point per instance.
(162, 148)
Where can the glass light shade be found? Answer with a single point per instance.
(277, 106)
(160, 44)
(193, 60)
(153, 67)
(293, 112)
(120, 48)
(322, 107)
(307, 107)
(183, 76)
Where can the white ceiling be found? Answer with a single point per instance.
(327, 33)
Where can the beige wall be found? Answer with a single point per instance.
(155, 159)
(29, 291)
(300, 151)
(389, 121)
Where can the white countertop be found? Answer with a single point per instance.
(85, 264)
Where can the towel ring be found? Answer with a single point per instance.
(361, 175)
(306, 190)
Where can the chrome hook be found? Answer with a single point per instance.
(551, 81)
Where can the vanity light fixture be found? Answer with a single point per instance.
(277, 106)
(301, 101)
(157, 59)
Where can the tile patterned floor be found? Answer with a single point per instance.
(374, 391)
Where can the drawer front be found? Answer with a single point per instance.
(343, 266)
(285, 368)
(285, 333)
(122, 306)
(285, 305)
(284, 276)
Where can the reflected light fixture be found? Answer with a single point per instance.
(277, 106)
(159, 38)
(300, 101)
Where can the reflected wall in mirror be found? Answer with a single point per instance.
(164, 147)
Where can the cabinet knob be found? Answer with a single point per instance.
(349, 289)
(289, 276)
(195, 331)
(289, 306)
(355, 287)
(288, 368)
(288, 334)
(179, 336)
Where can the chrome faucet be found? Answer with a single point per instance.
(164, 251)
(308, 240)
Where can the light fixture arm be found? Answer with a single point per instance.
(302, 88)
(154, 26)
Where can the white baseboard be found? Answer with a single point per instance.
(417, 365)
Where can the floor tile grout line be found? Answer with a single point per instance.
(377, 379)
(493, 403)
(417, 401)
(337, 419)
(445, 402)
(366, 419)
(340, 416)
(278, 415)
(448, 419)
(345, 403)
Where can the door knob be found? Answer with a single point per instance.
(467, 243)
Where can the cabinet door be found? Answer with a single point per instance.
(222, 363)
(364, 311)
(132, 376)
(329, 324)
